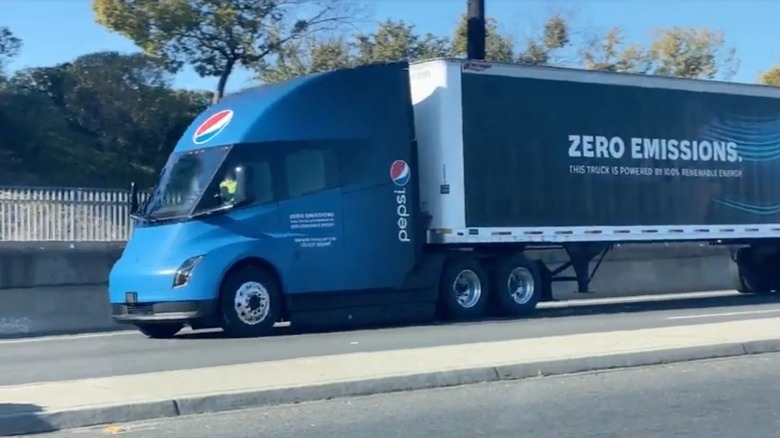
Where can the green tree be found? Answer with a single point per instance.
(498, 46)
(392, 41)
(770, 77)
(215, 36)
(397, 41)
(306, 56)
(103, 117)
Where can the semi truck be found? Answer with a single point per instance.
(406, 192)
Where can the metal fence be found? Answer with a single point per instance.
(64, 214)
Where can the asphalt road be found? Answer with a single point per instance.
(724, 398)
(64, 358)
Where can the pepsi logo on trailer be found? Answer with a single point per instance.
(400, 173)
(212, 126)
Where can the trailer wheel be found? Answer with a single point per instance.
(518, 286)
(752, 277)
(159, 331)
(250, 302)
(463, 290)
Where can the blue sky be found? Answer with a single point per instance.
(58, 30)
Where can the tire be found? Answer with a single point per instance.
(518, 286)
(250, 302)
(750, 274)
(160, 331)
(455, 302)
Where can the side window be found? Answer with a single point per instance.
(261, 185)
(311, 170)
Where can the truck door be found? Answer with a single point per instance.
(311, 216)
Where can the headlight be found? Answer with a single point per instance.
(184, 272)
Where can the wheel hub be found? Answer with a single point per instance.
(521, 285)
(467, 288)
(252, 303)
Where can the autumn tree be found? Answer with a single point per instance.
(215, 37)
(498, 46)
(610, 52)
(539, 50)
(678, 52)
(770, 77)
(691, 53)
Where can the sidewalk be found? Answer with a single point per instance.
(85, 402)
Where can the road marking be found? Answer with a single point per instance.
(716, 315)
(69, 337)
(582, 302)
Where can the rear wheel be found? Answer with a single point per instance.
(463, 289)
(753, 275)
(250, 302)
(160, 331)
(518, 286)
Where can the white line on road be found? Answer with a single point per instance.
(716, 315)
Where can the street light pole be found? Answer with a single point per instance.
(475, 30)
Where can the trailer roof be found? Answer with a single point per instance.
(609, 78)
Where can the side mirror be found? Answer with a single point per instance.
(133, 198)
(242, 185)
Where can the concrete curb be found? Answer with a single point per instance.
(32, 421)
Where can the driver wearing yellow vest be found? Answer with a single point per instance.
(227, 187)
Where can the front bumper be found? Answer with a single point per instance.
(172, 311)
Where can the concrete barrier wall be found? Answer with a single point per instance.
(61, 288)
(55, 288)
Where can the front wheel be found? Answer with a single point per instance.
(160, 330)
(250, 302)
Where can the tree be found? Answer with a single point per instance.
(215, 36)
(691, 53)
(771, 77)
(678, 52)
(397, 41)
(103, 117)
(498, 47)
(611, 53)
(392, 41)
(306, 56)
(555, 36)
(10, 46)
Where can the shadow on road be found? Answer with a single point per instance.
(559, 309)
(23, 418)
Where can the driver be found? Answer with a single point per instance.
(227, 187)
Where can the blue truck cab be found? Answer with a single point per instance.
(295, 201)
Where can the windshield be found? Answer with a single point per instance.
(183, 180)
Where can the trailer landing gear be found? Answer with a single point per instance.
(580, 256)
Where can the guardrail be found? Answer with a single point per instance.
(35, 214)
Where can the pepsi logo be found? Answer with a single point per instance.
(400, 173)
(212, 126)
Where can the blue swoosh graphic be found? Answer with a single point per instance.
(762, 210)
(757, 138)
